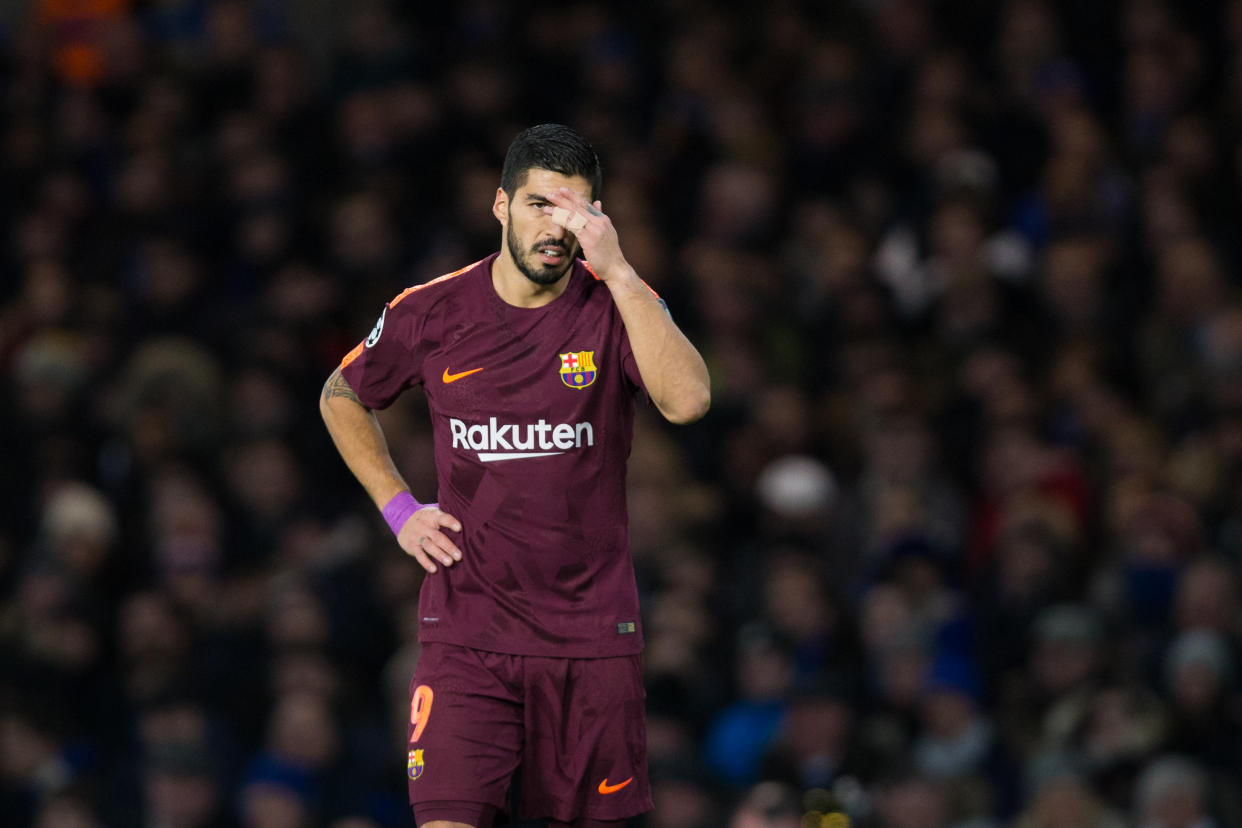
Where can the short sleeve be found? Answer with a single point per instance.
(390, 359)
(630, 365)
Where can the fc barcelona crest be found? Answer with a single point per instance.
(416, 763)
(578, 369)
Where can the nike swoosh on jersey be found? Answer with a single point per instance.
(455, 377)
(605, 788)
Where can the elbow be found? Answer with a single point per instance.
(690, 409)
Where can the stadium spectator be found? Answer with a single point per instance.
(966, 276)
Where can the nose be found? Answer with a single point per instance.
(554, 230)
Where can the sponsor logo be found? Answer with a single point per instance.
(416, 763)
(495, 441)
(578, 368)
(606, 789)
(378, 329)
(455, 377)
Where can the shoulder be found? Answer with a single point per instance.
(423, 297)
(595, 289)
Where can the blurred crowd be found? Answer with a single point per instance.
(957, 545)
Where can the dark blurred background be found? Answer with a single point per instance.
(957, 545)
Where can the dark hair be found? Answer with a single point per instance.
(552, 147)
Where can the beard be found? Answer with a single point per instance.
(529, 264)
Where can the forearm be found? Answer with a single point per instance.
(360, 440)
(672, 369)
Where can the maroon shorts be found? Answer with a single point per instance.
(574, 725)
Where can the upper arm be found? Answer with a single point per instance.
(337, 387)
(387, 362)
(629, 365)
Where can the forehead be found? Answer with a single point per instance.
(539, 181)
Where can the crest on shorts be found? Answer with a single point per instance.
(416, 763)
(578, 368)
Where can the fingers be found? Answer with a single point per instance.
(571, 220)
(422, 539)
(421, 556)
(572, 211)
(449, 522)
(567, 198)
(438, 546)
(592, 228)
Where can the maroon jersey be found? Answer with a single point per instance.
(532, 413)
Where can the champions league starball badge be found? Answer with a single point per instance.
(374, 336)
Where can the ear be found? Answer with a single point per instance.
(500, 207)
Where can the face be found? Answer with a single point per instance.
(541, 248)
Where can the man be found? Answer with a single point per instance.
(530, 360)
(1175, 792)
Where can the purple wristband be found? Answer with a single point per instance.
(398, 510)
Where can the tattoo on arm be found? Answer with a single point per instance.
(336, 386)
